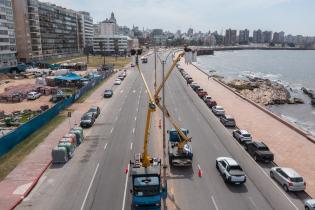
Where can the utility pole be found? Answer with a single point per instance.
(164, 142)
(154, 68)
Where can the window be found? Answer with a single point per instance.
(223, 164)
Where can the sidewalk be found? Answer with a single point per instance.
(25, 176)
(291, 149)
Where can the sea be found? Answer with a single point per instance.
(292, 68)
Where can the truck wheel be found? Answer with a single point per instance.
(225, 179)
(255, 158)
(216, 165)
(271, 174)
(285, 187)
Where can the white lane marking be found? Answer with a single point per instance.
(179, 119)
(89, 188)
(116, 118)
(111, 130)
(135, 118)
(133, 130)
(252, 201)
(214, 203)
(125, 191)
(137, 109)
(121, 91)
(134, 91)
(131, 144)
(138, 102)
(199, 167)
(119, 109)
(105, 146)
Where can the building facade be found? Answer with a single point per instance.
(110, 45)
(108, 27)
(87, 30)
(7, 35)
(267, 36)
(45, 30)
(244, 36)
(258, 36)
(230, 37)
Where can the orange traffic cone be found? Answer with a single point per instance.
(200, 172)
(126, 170)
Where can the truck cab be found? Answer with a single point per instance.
(177, 158)
(146, 187)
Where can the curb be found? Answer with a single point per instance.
(31, 187)
(288, 124)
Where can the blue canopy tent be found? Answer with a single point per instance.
(69, 77)
(69, 80)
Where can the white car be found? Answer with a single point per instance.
(230, 170)
(288, 178)
(242, 136)
(117, 82)
(309, 204)
(218, 110)
(33, 95)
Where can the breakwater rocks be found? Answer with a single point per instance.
(264, 91)
(310, 93)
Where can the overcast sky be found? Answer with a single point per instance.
(291, 16)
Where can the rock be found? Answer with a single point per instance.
(308, 92)
(313, 102)
(295, 101)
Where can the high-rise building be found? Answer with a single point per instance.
(244, 36)
(267, 36)
(87, 29)
(7, 35)
(110, 44)
(190, 32)
(276, 38)
(281, 37)
(257, 36)
(107, 27)
(230, 37)
(45, 30)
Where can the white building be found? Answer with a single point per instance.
(7, 35)
(110, 44)
(107, 27)
(87, 28)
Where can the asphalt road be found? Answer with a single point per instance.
(95, 178)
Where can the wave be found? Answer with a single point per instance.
(305, 125)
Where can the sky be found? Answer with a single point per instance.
(294, 17)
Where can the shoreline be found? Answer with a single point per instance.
(265, 109)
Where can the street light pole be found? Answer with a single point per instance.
(154, 68)
(164, 141)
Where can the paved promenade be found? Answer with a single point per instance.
(291, 148)
(26, 174)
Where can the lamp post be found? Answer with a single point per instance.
(163, 62)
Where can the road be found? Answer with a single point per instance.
(95, 178)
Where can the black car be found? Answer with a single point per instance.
(95, 110)
(108, 93)
(259, 151)
(87, 120)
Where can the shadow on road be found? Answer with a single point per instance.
(237, 188)
(56, 166)
(181, 172)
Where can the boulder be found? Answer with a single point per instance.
(308, 92)
(295, 101)
(313, 102)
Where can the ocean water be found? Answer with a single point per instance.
(294, 69)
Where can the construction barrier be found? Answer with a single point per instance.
(10, 140)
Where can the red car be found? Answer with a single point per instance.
(210, 103)
(202, 93)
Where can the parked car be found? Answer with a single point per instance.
(230, 170)
(95, 110)
(132, 65)
(202, 93)
(124, 74)
(57, 97)
(121, 77)
(33, 95)
(117, 82)
(242, 136)
(206, 97)
(259, 151)
(195, 87)
(218, 110)
(108, 93)
(309, 204)
(189, 80)
(211, 103)
(228, 121)
(288, 178)
(87, 120)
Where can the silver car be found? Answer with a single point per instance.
(218, 110)
(242, 136)
(309, 204)
(288, 178)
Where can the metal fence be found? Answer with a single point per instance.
(10, 140)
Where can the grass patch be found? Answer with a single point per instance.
(61, 60)
(10, 160)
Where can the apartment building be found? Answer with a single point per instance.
(45, 30)
(87, 30)
(7, 35)
(110, 44)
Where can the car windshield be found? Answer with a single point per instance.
(235, 168)
(146, 186)
(108, 91)
(219, 108)
(262, 148)
(93, 109)
(86, 117)
(246, 135)
(296, 179)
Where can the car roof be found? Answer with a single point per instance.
(291, 172)
(260, 144)
(244, 132)
(229, 117)
(220, 107)
(230, 161)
